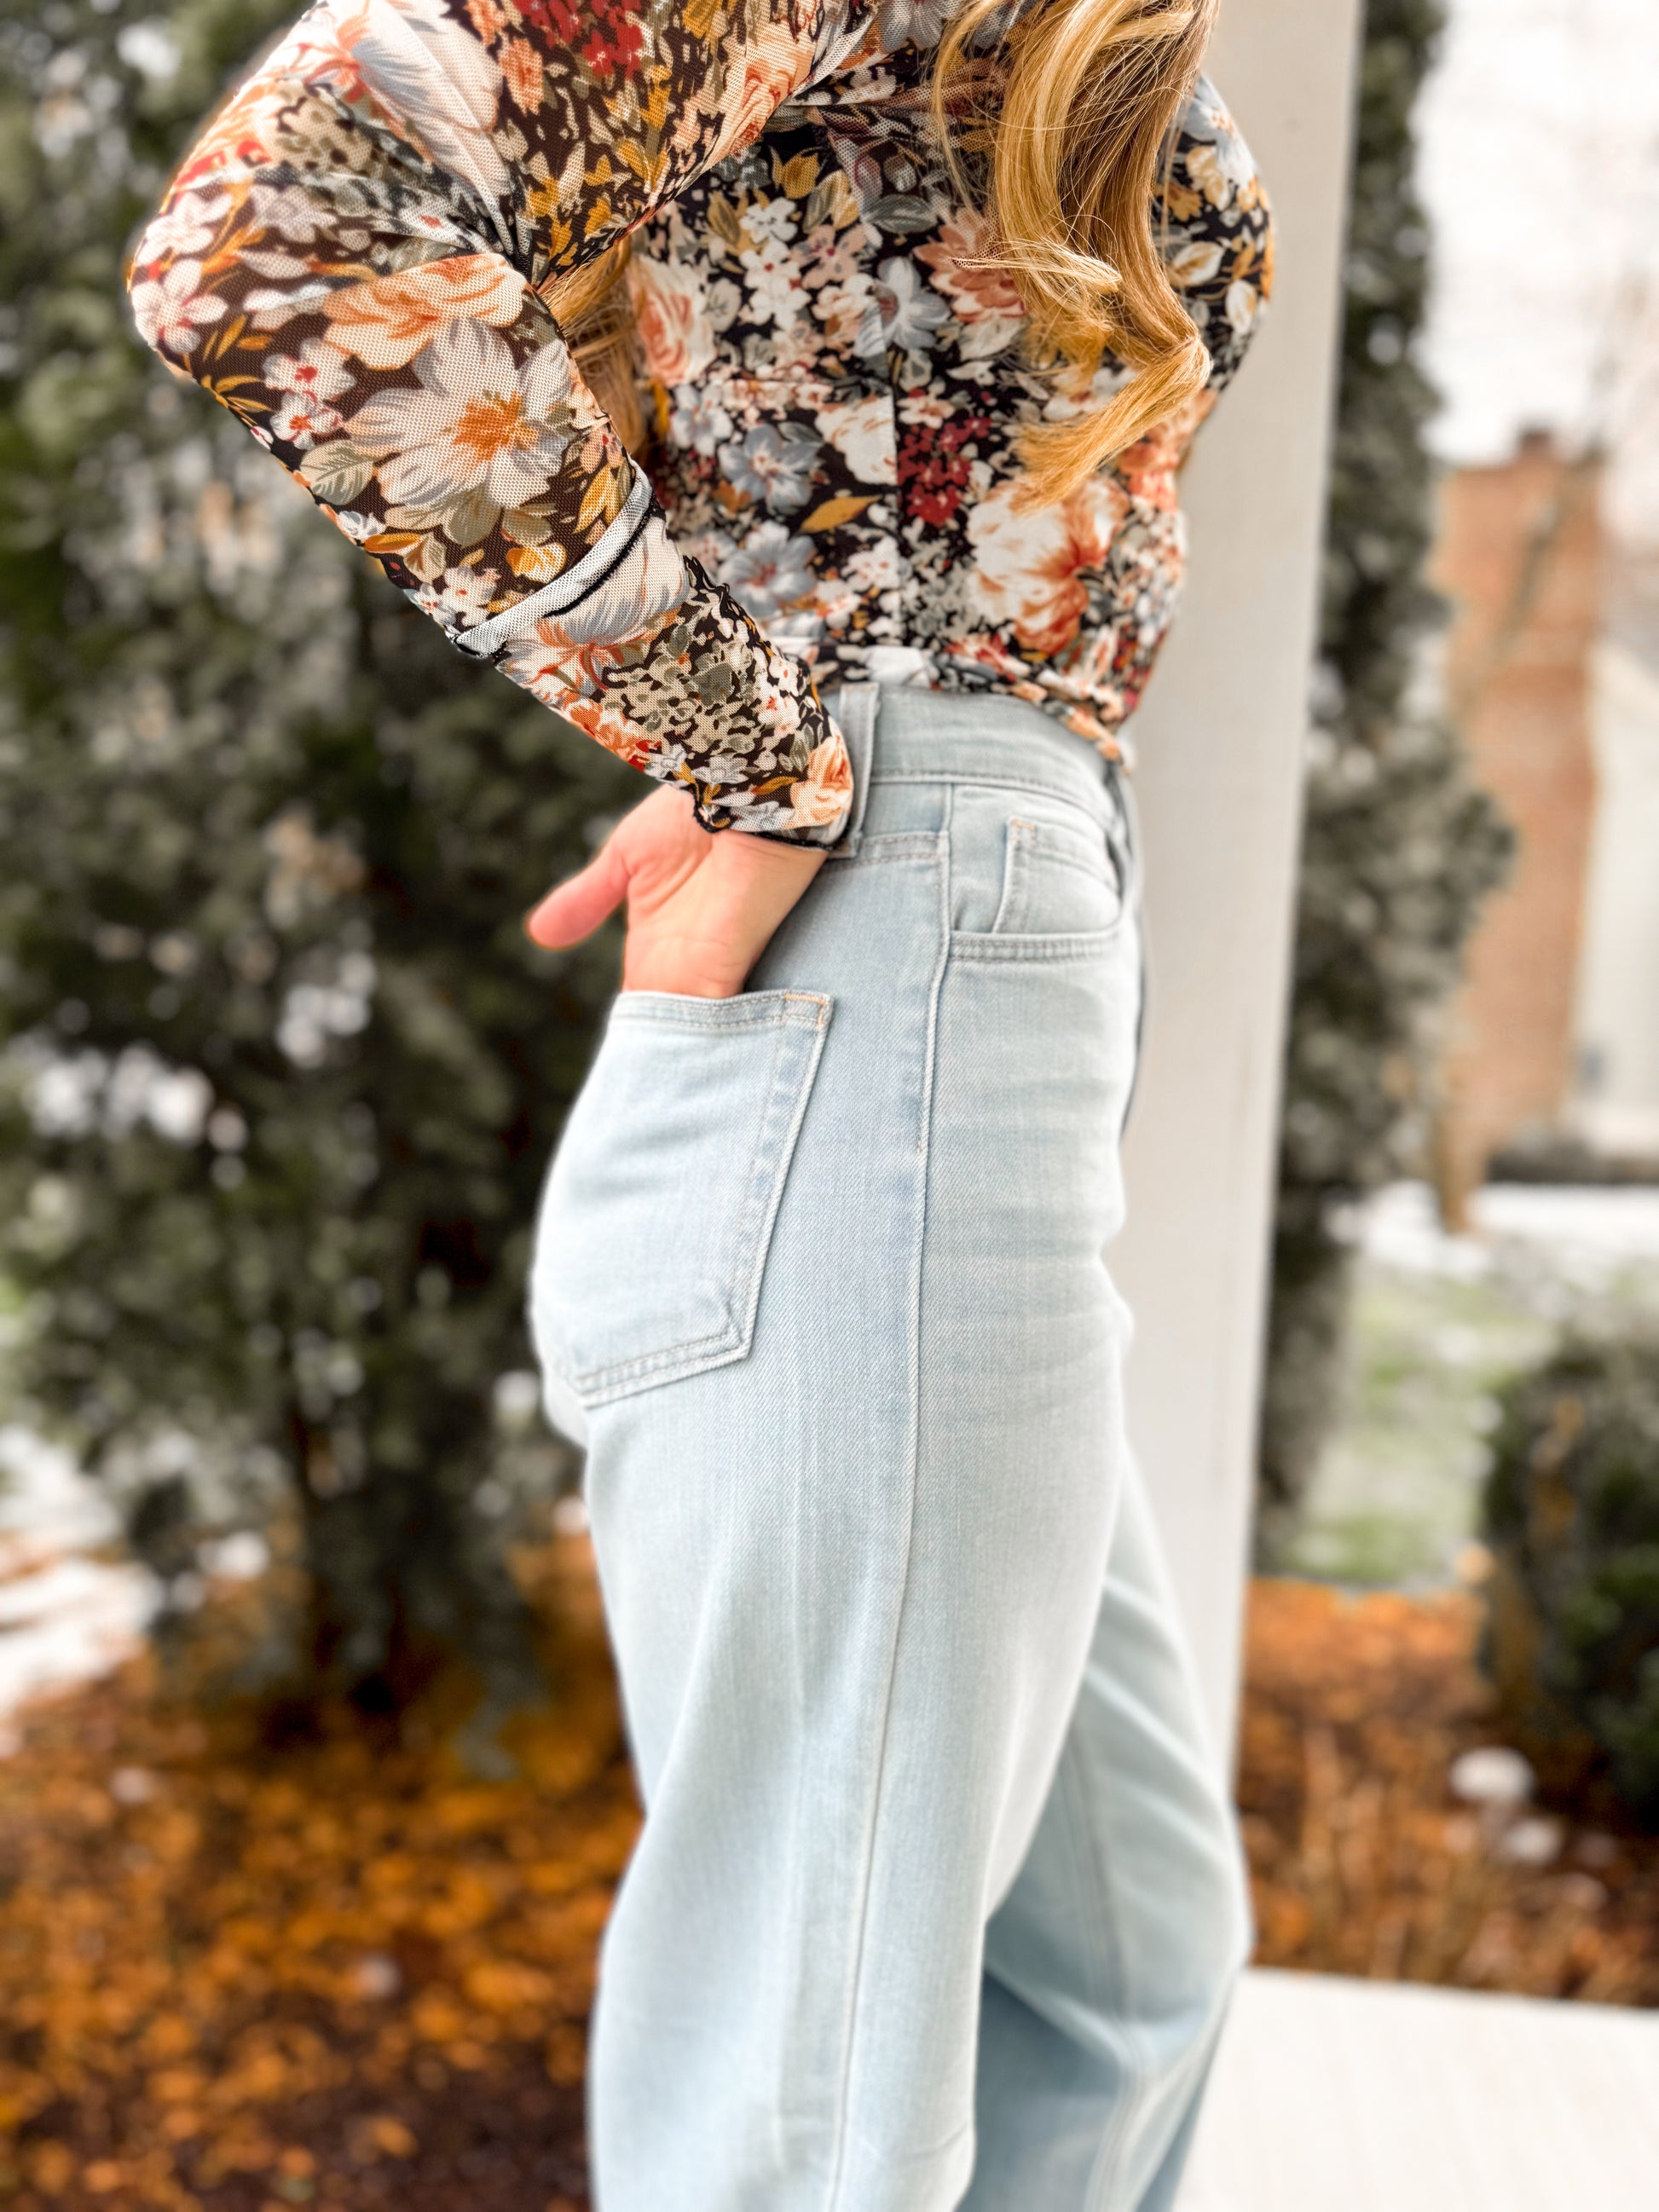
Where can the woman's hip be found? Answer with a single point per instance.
(929, 1073)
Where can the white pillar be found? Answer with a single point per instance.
(1220, 744)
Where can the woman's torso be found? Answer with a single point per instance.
(837, 392)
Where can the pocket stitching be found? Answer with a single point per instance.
(1015, 863)
(1023, 847)
(1034, 945)
(597, 1386)
(674, 1009)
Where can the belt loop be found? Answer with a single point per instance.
(854, 708)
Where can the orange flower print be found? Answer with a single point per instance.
(984, 300)
(837, 391)
(387, 322)
(670, 315)
(1030, 565)
(522, 65)
(488, 18)
(772, 67)
(476, 423)
(827, 792)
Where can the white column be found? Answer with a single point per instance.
(1220, 743)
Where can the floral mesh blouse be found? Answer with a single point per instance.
(352, 260)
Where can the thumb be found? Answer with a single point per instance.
(575, 909)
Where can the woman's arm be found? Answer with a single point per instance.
(350, 259)
(1214, 226)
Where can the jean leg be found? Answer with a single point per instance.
(1110, 1964)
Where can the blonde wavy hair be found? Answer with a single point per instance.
(1053, 127)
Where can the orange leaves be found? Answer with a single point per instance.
(1363, 1862)
(506, 1986)
(295, 1973)
(831, 514)
(381, 2134)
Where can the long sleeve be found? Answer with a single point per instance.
(351, 260)
(1216, 228)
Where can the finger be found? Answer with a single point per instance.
(574, 909)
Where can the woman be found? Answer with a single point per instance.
(938, 1900)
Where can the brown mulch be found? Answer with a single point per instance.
(1363, 1860)
(240, 1978)
(336, 1973)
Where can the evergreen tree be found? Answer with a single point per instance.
(1399, 847)
(279, 1073)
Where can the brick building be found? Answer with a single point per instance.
(1519, 556)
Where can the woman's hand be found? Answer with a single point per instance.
(700, 908)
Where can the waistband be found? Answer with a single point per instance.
(897, 735)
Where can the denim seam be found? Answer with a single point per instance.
(835, 2197)
(892, 847)
(972, 944)
(735, 1013)
(1096, 2196)
(1087, 801)
(785, 1110)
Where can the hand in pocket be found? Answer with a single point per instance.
(702, 907)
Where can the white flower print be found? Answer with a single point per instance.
(712, 548)
(861, 432)
(770, 568)
(1221, 169)
(478, 421)
(303, 418)
(774, 219)
(914, 22)
(724, 303)
(775, 291)
(189, 226)
(464, 593)
(900, 664)
(269, 308)
(698, 421)
(911, 312)
(925, 405)
(830, 359)
(290, 210)
(351, 525)
(852, 318)
(1243, 304)
(774, 463)
(836, 603)
(171, 312)
(1194, 265)
(317, 368)
(876, 567)
(835, 260)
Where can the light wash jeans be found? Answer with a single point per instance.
(939, 1900)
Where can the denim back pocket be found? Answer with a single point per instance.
(660, 1206)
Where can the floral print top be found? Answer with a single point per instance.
(353, 257)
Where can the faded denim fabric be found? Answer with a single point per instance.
(939, 1899)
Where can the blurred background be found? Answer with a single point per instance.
(311, 1787)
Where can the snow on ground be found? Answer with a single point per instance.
(1591, 1232)
(1440, 1324)
(68, 1613)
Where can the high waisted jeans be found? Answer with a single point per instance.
(938, 1900)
